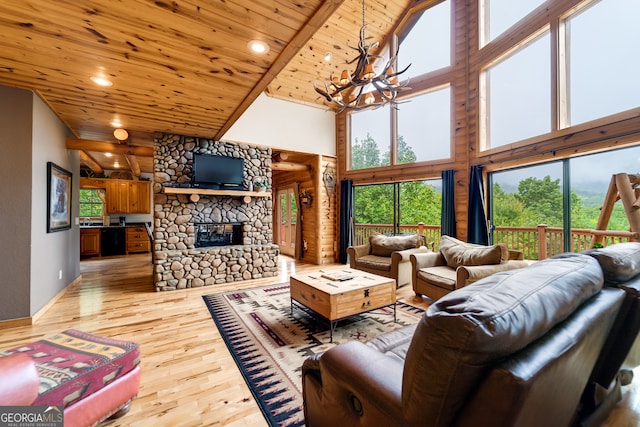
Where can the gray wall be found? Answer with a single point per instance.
(31, 258)
(51, 253)
(15, 202)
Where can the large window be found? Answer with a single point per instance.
(519, 93)
(424, 127)
(397, 208)
(370, 138)
(502, 14)
(525, 198)
(422, 116)
(433, 24)
(586, 71)
(603, 60)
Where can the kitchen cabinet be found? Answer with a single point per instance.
(89, 241)
(137, 240)
(125, 196)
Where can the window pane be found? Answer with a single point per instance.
(504, 13)
(588, 188)
(520, 95)
(90, 203)
(370, 131)
(372, 210)
(418, 47)
(604, 63)
(523, 198)
(424, 127)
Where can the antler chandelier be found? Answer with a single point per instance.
(348, 91)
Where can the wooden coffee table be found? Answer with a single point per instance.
(336, 299)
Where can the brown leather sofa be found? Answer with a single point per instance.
(457, 264)
(387, 256)
(514, 349)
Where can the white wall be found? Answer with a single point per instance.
(51, 253)
(280, 124)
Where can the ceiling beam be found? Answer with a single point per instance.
(133, 164)
(90, 162)
(324, 12)
(108, 147)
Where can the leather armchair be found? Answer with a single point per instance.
(434, 276)
(387, 256)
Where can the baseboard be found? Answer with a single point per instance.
(28, 321)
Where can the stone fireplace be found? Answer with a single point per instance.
(203, 239)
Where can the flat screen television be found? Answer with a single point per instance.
(217, 172)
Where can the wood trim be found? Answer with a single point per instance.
(107, 147)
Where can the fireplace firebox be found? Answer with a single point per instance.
(218, 234)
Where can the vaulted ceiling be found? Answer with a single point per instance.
(175, 66)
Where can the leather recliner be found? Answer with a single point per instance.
(513, 349)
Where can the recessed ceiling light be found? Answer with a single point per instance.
(116, 124)
(328, 56)
(258, 46)
(101, 81)
(116, 165)
(108, 154)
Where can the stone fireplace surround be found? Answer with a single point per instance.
(178, 263)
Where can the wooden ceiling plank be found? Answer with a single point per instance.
(315, 22)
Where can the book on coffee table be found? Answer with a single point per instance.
(339, 276)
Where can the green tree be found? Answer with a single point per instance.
(405, 154)
(365, 153)
(542, 200)
(507, 209)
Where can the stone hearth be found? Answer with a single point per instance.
(178, 262)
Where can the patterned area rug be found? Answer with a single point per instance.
(269, 342)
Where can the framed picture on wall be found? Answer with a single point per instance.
(58, 198)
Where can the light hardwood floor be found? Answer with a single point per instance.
(188, 376)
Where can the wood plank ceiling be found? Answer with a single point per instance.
(179, 67)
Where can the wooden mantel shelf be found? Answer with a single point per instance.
(204, 191)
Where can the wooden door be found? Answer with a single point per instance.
(287, 211)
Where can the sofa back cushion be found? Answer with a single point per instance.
(620, 262)
(382, 245)
(458, 253)
(467, 331)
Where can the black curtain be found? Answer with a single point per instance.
(477, 226)
(346, 218)
(448, 214)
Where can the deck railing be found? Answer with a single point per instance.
(536, 242)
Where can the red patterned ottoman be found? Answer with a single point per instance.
(91, 376)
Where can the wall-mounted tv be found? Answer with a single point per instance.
(217, 172)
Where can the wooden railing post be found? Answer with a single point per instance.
(542, 241)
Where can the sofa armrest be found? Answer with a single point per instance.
(400, 256)
(515, 254)
(351, 384)
(426, 259)
(19, 380)
(467, 274)
(357, 251)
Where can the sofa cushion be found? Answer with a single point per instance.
(74, 364)
(382, 245)
(458, 253)
(620, 262)
(466, 331)
(441, 276)
(374, 262)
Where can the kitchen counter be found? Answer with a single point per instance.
(106, 240)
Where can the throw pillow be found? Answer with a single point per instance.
(382, 245)
(457, 253)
